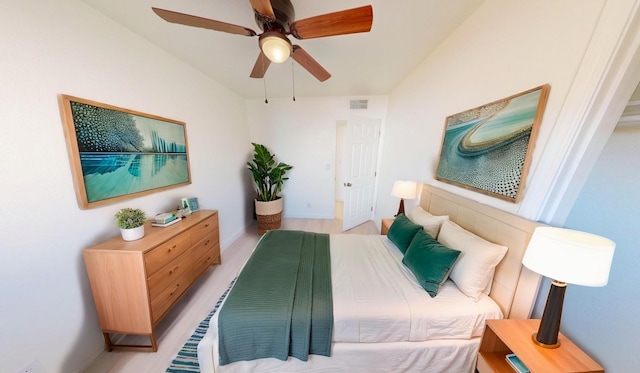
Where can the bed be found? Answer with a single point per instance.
(383, 318)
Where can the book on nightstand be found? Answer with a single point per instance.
(517, 364)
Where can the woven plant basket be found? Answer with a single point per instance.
(269, 215)
(269, 222)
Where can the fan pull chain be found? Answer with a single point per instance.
(265, 90)
(264, 81)
(293, 82)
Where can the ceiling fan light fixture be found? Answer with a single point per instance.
(275, 46)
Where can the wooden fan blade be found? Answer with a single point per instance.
(261, 66)
(349, 21)
(195, 21)
(311, 65)
(264, 8)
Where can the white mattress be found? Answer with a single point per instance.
(378, 304)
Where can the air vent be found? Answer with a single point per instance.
(358, 104)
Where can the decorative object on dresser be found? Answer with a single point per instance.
(404, 190)
(488, 148)
(268, 177)
(191, 203)
(565, 256)
(135, 284)
(117, 153)
(131, 223)
(165, 219)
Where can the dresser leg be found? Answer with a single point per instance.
(111, 346)
(107, 342)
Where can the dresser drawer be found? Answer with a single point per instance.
(163, 254)
(207, 226)
(207, 244)
(203, 263)
(165, 299)
(204, 257)
(168, 274)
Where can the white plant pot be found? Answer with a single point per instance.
(133, 233)
(269, 215)
(270, 207)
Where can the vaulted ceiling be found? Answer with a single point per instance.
(403, 33)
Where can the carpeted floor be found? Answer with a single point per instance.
(186, 361)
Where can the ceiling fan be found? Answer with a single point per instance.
(276, 19)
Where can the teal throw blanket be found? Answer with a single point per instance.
(281, 303)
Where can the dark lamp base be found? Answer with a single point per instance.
(544, 345)
(547, 335)
(401, 207)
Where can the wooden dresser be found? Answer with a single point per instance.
(136, 283)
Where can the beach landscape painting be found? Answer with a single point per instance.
(488, 148)
(117, 153)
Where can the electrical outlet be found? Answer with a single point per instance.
(32, 367)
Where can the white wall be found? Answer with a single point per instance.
(504, 48)
(49, 48)
(341, 159)
(303, 134)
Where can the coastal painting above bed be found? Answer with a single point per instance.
(488, 148)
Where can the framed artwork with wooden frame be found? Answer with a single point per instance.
(117, 153)
(488, 148)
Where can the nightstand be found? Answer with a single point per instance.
(384, 226)
(502, 337)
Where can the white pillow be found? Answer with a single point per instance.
(474, 270)
(430, 223)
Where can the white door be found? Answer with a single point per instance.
(361, 144)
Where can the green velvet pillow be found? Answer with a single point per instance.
(401, 232)
(430, 261)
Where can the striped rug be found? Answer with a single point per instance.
(186, 361)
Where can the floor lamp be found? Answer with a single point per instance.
(566, 257)
(404, 190)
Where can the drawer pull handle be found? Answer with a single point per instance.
(206, 225)
(173, 270)
(207, 242)
(174, 290)
(172, 247)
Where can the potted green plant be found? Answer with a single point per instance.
(131, 223)
(269, 177)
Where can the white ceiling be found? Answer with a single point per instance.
(404, 32)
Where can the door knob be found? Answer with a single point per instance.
(347, 184)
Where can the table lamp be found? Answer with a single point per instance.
(566, 256)
(404, 190)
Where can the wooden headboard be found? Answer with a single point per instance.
(514, 286)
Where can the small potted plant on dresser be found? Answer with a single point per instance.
(131, 223)
(268, 177)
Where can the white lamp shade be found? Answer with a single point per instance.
(405, 189)
(570, 256)
(276, 48)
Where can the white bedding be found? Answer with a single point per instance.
(382, 318)
(377, 299)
